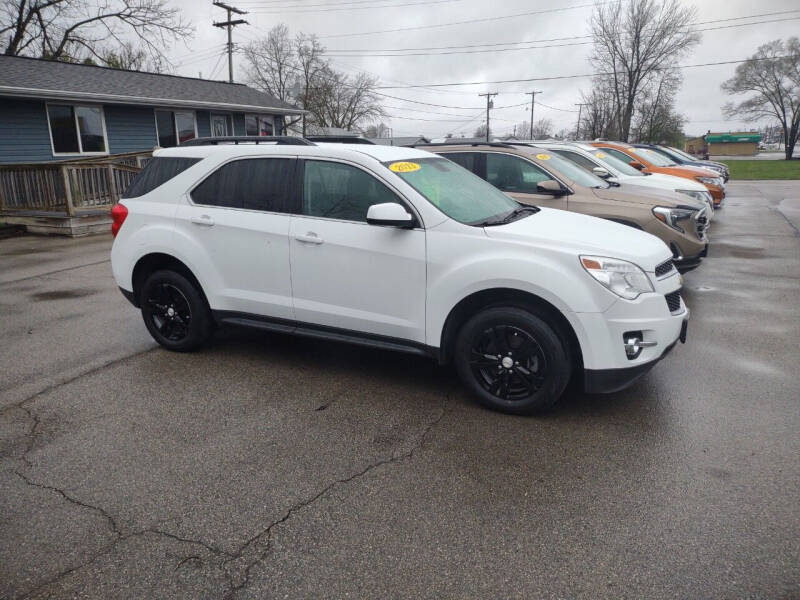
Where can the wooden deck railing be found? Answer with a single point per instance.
(66, 188)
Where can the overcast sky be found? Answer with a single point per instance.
(700, 98)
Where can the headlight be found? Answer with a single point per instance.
(623, 278)
(709, 180)
(673, 216)
(701, 196)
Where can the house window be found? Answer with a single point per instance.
(220, 126)
(175, 127)
(259, 125)
(76, 129)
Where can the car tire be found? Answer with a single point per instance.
(175, 312)
(527, 382)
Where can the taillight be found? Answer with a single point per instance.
(118, 214)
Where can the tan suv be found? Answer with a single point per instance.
(540, 177)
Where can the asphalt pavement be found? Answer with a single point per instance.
(267, 466)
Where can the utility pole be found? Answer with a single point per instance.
(580, 106)
(533, 101)
(489, 97)
(230, 24)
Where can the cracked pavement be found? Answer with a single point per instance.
(268, 466)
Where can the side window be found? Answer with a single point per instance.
(578, 159)
(620, 155)
(338, 191)
(253, 184)
(513, 174)
(157, 172)
(468, 160)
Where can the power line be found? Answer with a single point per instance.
(481, 20)
(530, 79)
(372, 7)
(537, 47)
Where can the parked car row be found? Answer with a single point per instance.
(462, 255)
(570, 177)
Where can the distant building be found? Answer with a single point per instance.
(734, 143)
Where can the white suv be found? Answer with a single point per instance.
(395, 248)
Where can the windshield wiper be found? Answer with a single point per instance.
(513, 215)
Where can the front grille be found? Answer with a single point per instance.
(673, 301)
(664, 268)
(701, 224)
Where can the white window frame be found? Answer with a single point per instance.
(174, 122)
(74, 105)
(261, 116)
(228, 119)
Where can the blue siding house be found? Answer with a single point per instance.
(52, 111)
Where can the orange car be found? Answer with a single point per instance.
(650, 161)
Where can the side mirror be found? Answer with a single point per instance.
(636, 165)
(550, 186)
(390, 214)
(601, 172)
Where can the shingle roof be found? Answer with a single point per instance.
(35, 78)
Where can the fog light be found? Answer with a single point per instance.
(634, 344)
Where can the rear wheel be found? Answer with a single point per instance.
(174, 311)
(512, 360)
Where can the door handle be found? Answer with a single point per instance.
(202, 220)
(309, 238)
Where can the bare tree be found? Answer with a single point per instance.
(656, 120)
(542, 129)
(130, 57)
(377, 130)
(633, 40)
(296, 71)
(480, 131)
(599, 113)
(73, 30)
(772, 75)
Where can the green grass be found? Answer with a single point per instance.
(763, 169)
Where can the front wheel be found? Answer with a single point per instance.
(174, 311)
(512, 360)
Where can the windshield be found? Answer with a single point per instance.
(452, 189)
(680, 153)
(653, 157)
(617, 164)
(570, 170)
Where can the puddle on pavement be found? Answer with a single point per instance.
(61, 295)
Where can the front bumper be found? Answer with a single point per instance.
(607, 381)
(687, 263)
(602, 335)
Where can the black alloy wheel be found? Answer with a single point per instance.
(169, 311)
(174, 311)
(508, 362)
(513, 359)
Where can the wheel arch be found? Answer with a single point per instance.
(471, 304)
(157, 261)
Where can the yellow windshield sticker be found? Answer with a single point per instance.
(404, 167)
(543, 156)
(600, 155)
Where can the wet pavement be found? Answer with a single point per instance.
(270, 466)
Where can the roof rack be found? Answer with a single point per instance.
(339, 139)
(281, 140)
(457, 143)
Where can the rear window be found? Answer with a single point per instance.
(158, 171)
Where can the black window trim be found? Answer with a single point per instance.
(295, 185)
(300, 182)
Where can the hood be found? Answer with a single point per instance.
(647, 195)
(700, 171)
(580, 234)
(677, 183)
